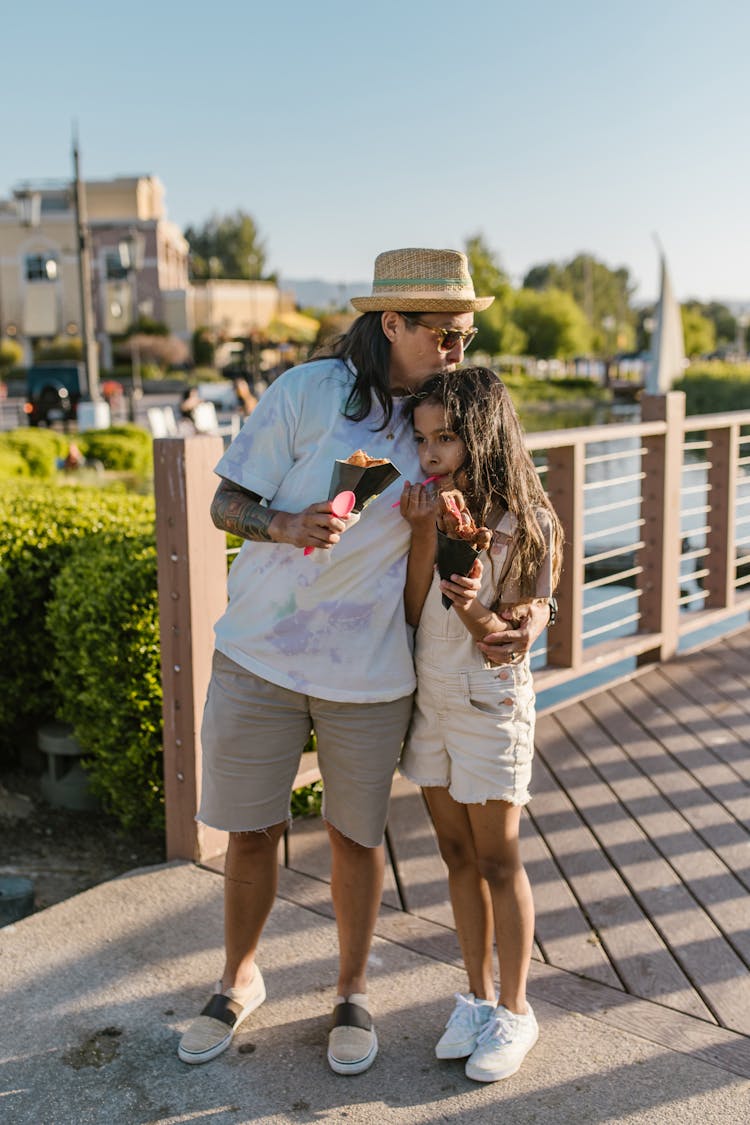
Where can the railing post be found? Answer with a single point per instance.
(722, 485)
(565, 480)
(660, 508)
(192, 569)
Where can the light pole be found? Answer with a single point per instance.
(131, 251)
(90, 354)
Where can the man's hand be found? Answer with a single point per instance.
(528, 621)
(315, 526)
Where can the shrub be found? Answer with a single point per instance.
(61, 348)
(104, 628)
(39, 524)
(11, 354)
(40, 449)
(12, 464)
(122, 448)
(715, 388)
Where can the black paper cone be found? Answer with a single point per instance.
(365, 482)
(454, 556)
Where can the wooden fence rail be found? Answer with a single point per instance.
(649, 461)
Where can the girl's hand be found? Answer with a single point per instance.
(461, 590)
(418, 506)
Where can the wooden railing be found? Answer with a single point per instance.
(657, 548)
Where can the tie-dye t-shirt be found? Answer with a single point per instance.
(330, 624)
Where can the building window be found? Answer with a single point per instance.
(113, 266)
(41, 267)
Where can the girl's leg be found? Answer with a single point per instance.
(494, 829)
(470, 899)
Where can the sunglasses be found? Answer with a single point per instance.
(447, 337)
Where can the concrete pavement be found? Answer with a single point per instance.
(95, 991)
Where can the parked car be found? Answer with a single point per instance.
(53, 391)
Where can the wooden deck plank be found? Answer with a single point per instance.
(637, 952)
(727, 732)
(709, 960)
(713, 884)
(703, 726)
(693, 775)
(563, 933)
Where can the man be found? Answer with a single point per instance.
(324, 644)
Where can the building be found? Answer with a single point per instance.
(139, 267)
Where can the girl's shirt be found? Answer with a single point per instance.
(331, 625)
(442, 640)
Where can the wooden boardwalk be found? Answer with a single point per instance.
(637, 844)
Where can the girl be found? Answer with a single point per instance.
(471, 741)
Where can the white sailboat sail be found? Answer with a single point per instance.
(668, 342)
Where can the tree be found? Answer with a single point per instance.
(498, 334)
(699, 332)
(604, 295)
(227, 246)
(724, 322)
(555, 326)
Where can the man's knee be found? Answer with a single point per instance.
(253, 843)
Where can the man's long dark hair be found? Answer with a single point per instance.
(369, 349)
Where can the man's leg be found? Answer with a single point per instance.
(252, 735)
(250, 881)
(356, 887)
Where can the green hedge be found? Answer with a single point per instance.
(715, 389)
(12, 464)
(39, 526)
(122, 448)
(103, 622)
(40, 449)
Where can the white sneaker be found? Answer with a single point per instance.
(502, 1045)
(211, 1032)
(468, 1019)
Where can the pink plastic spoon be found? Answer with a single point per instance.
(428, 481)
(341, 506)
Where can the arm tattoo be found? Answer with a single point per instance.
(239, 511)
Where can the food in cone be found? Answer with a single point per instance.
(365, 476)
(359, 457)
(459, 538)
(455, 520)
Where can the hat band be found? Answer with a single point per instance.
(455, 282)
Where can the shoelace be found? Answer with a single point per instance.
(463, 1014)
(500, 1028)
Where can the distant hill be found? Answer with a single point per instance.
(316, 294)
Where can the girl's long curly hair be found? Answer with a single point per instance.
(498, 471)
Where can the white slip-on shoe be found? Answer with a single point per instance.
(503, 1045)
(352, 1042)
(211, 1032)
(467, 1020)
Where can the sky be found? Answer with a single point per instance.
(345, 129)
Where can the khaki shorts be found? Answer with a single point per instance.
(253, 735)
(473, 733)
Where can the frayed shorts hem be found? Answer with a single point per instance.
(519, 800)
(287, 821)
(348, 835)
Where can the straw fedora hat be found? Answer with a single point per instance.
(417, 280)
